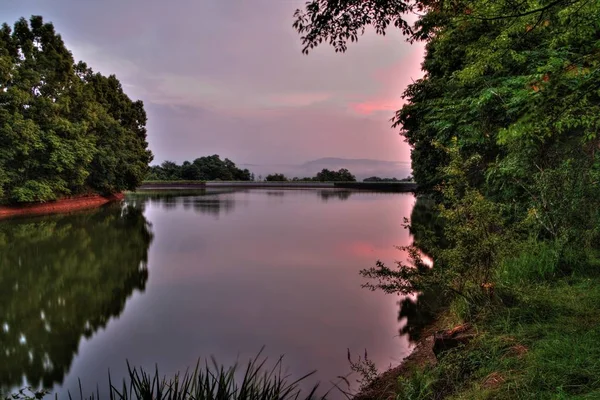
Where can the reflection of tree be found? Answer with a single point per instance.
(205, 202)
(211, 205)
(63, 278)
(426, 226)
(427, 230)
(334, 194)
(419, 313)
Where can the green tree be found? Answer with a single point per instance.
(276, 178)
(207, 168)
(63, 129)
(342, 175)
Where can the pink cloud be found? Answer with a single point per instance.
(371, 106)
(394, 80)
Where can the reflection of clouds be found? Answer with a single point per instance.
(366, 249)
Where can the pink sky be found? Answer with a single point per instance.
(228, 77)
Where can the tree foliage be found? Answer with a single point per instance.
(276, 178)
(208, 168)
(342, 175)
(64, 130)
(510, 96)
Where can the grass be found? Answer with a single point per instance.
(207, 381)
(542, 344)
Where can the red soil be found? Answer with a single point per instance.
(59, 206)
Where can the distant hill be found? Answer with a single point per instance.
(361, 168)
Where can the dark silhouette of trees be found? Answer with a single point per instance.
(276, 178)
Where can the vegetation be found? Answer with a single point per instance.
(64, 129)
(276, 178)
(504, 134)
(208, 168)
(342, 175)
(206, 382)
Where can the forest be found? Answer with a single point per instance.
(504, 133)
(64, 130)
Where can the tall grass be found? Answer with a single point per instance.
(208, 381)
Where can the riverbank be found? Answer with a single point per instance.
(59, 206)
(539, 341)
(398, 187)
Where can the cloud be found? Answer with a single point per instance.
(369, 107)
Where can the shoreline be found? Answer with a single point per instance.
(60, 206)
(386, 383)
(399, 187)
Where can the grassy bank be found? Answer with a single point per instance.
(538, 339)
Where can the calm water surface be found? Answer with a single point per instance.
(169, 277)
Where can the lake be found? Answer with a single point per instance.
(168, 277)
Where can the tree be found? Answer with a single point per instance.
(207, 168)
(342, 175)
(276, 178)
(64, 130)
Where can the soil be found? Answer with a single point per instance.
(59, 206)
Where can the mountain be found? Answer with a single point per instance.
(361, 168)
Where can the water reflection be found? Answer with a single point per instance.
(280, 271)
(63, 278)
(203, 201)
(218, 201)
(419, 311)
(334, 194)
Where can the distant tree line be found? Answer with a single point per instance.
(342, 175)
(378, 179)
(64, 130)
(207, 168)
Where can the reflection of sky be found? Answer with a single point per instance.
(280, 271)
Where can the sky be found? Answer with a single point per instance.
(228, 77)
